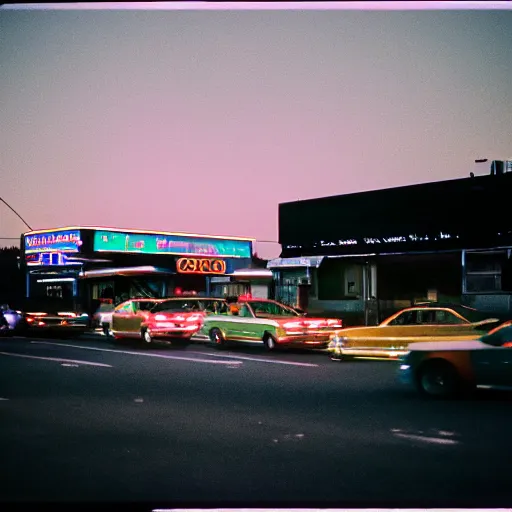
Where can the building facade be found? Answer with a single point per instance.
(369, 254)
(83, 265)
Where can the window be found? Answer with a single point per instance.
(215, 307)
(245, 312)
(144, 305)
(405, 318)
(483, 271)
(445, 317)
(125, 308)
(170, 306)
(264, 309)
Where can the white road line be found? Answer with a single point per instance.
(4, 399)
(433, 440)
(273, 361)
(56, 359)
(160, 356)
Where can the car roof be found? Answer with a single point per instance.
(139, 299)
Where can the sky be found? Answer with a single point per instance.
(204, 121)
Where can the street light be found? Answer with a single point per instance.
(16, 213)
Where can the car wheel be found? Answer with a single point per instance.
(269, 342)
(439, 380)
(146, 337)
(217, 338)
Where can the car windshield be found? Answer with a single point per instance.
(173, 306)
(143, 305)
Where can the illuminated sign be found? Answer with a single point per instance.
(148, 243)
(200, 266)
(49, 259)
(53, 241)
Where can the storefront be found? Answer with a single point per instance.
(83, 265)
(379, 251)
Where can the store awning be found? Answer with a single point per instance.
(255, 273)
(124, 271)
(302, 261)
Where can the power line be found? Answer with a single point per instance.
(16, 213)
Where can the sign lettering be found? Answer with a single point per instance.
(55, 241)
(200, 266)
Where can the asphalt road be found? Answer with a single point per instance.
(89, 421)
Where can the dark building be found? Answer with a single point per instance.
(371, 253)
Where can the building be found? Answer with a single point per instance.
(84, 265)
(365, 255)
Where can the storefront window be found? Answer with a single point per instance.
(483, 271)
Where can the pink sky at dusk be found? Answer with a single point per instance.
(205, 121)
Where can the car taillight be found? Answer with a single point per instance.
(292, 325)
(30, 319)
(160, 317)
(194, 318)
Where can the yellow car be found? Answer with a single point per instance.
(420, 323)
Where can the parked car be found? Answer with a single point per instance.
(56, 317)
(424, 322)
(448, 369)
(269, 323)
(174, 319)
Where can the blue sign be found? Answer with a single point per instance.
(49, 259)
(53, 241)
(183, 245)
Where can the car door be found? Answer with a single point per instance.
(244, 327)
(134, 319)
(120, 317)
(448, 326)
(493, 365)
(401, 330)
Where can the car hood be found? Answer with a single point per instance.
(469, 344)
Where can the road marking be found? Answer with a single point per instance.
(433, 440)
(161, 356)
(4, 399)
(273, 361)
(56, 359)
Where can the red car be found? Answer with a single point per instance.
(174, 319)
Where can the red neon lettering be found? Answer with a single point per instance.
(200, 266)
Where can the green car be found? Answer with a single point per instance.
(268, 323)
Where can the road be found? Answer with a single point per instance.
(87, 420)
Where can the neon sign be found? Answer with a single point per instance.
(54, 241)
(49, 259)
(200, 266)
(148, 243)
